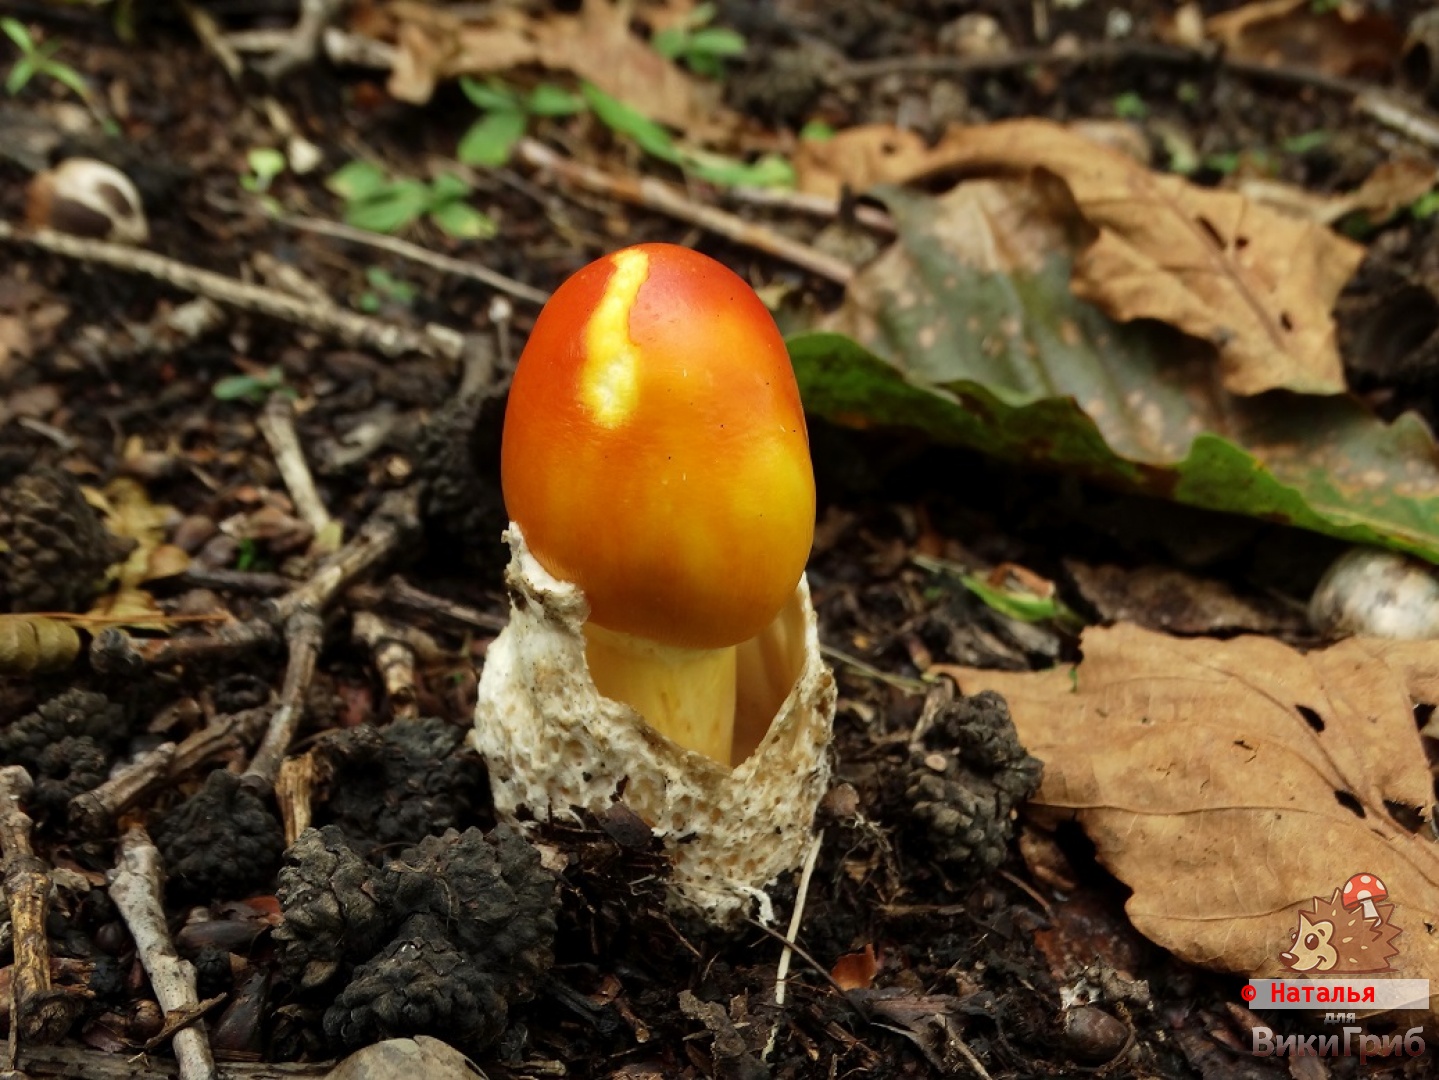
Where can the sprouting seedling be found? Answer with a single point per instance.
(384, 288)
(38, 59)
(381, 203)
(252, 386)
(704, 48)
(505, 116)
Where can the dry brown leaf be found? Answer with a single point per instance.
(1391, 187)
(1230, 782)
(1256, 283)
(855, 971)
(595, 44)
(35, 645)
(1345, 40)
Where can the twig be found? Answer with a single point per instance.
(406, 597)
(277, 423)
(795, 919)
(293, 788)
(346, 326)
(94, 812)
(68, 1062)
(414, 253)
(656, 195)
(392, 524)
(304, 631)
(40, 1012)
(116, 652)
(804, 202)
(394, 660)
(135, 889)
(303, 41)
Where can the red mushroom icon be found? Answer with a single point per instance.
(1362, 890)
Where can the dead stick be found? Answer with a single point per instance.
(394, 659)
(135, 888)
(94, 812)
(656, 195)
(353, 329)
(304, 631)
(40, 1012)
(277, 423)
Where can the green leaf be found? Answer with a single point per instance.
(1007, 360)
(20, 75)
(447, 187)
(1022, 606)
(463, 221)
(248, 387)
(717, 41)
(547, 99)
(391, 208)
(620, 118)
(817, 130)
(670, 42)
(1303, 144)
(356, 180)
(19, 33)
(1130, 106)
(492, 95)
(771, 170)
(491, 139)
(68, 77)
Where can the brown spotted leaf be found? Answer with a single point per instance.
(1228, 783)
(1256, 283)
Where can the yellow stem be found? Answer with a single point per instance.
(686, 694)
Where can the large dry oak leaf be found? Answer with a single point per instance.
(1230, 782)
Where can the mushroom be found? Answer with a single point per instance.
(655, 455)
(1364, 890)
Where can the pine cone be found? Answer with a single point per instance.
(66, 744)
(402, 782)
(461, 502)
(967, 778)
(494, 896)
(55, 547)
(221, 841)
(420, 985)
(337, 907)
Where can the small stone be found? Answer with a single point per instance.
(1092, 1035)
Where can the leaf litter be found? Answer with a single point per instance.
(966, 329)
(1257, 776)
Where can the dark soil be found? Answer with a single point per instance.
(1016, 958)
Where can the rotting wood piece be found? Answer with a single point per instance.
(40, 1011)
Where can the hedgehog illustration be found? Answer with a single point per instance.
(1348, 934)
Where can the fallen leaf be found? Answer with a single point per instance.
(1341, 39)
(1255, 283)
(596, 44)
(1386, 191)
(34, 645)
(1256, 776)
(966, 330)
(855, 971)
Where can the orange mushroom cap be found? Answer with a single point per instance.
(655, 450)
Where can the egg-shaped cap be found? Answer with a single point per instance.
(655, 450)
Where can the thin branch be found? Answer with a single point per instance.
(277, 423)
(135, 889)
(327, 318)
(655, 195)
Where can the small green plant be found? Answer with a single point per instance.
(1305, 143)
(1130, 106)
(381, 203)
(505, 115)
(817, 130)
(384, 288)
(1425, 207)
(251, 386)
(38, 59)
(266, 165)
(702, 47)
(771, 170)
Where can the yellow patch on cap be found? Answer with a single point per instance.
(610, 379)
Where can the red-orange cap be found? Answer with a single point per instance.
(655, 450)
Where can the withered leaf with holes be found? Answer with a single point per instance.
(1230, 782)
